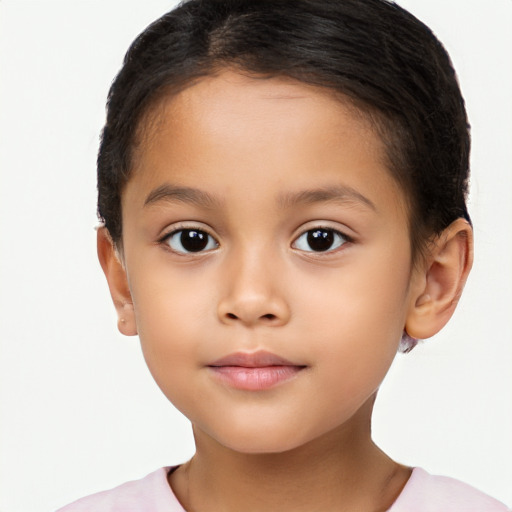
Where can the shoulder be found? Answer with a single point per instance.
(149, 494)
(429, 493)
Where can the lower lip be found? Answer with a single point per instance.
(255, 379)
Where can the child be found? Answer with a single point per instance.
(283, 187)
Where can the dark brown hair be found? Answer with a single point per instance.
(373, 52)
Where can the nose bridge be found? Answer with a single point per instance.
(253, 293)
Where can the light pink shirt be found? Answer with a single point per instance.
(422, 493)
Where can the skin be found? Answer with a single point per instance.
(255, 146)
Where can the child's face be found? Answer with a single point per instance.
(257, 166)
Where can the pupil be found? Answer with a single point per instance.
(320, 239)
(193, 241)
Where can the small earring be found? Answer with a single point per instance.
(407, 343)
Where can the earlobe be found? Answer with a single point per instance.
(441, 280)
(117, 282)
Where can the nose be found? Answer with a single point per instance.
(253, 294)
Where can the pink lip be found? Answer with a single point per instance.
(255, 371)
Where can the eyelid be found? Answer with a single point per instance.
(346, 232)
(182, 226)
(321, 225)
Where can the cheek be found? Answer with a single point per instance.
(366, 295)
(355, 334)
(172, 310)
(355, 315)
(166, 295)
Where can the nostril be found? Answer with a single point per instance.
(232, 316)
(269, 316)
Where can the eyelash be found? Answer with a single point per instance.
(330, 235)
(165, 240)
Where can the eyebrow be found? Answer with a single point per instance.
(167, 192)
(340, 193)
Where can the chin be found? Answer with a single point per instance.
(261, 445)
(261, 439)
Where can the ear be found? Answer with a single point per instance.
(438, 285)
(117, 282)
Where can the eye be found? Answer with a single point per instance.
(319, 240)
(190, 241)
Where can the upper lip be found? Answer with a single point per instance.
(257, 359)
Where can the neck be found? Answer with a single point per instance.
(341, 471)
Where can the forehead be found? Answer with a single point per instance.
(229, 98)
(232, 124)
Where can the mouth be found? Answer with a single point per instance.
(256, 371)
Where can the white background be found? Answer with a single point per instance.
(79, 411)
